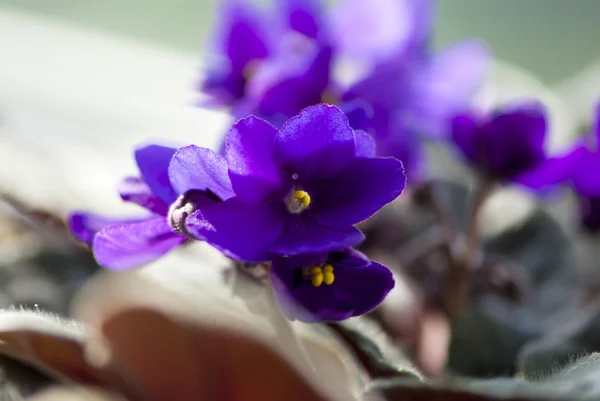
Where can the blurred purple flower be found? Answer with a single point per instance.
(407, 91)
(584, 161)
(173, 183)
(506, 145)
(329, 287)
(247, 37)
(297, 190)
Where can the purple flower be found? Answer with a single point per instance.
(297, 190)
(247, 38)
(173, 184)
(408, 92)
(505, 145)
(583, 164)
(329, 287)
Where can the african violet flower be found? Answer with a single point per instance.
(407, 91)
(173, 184)
(246, 37)
(297, 190)
(328, 287)
(506, 145)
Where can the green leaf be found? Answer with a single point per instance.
(374, 350)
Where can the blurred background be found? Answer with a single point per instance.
(82, 82)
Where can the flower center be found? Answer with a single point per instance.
(297, 201)
(319, 275)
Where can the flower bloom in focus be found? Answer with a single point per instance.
(172, 184)
(329, 287)
(300, 189)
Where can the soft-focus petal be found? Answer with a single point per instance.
(195, 168)
(555, 170)
(359, 287)
(316, 143)
(395, 138)
(586, 179)
(377, 30)
(135, 190)
(447, 82)
(153, 162)
(242, 231)
(360, 191)
(252, 168)
(239, 40)
(463, 128)
(241, 33)
(304, 234)
(293, 84)
(389, 85)
(365, 144)
(129, 245)
(514, 140)
(359, 114)
(303, 16)
(85, 225)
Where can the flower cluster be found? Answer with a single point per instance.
(290, 196)
(272, 63)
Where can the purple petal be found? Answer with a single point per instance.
(293, 84)
(135, 190)
(389, 86)
(514, 140)
(129, 245)
(304, 234)
(253, 171)
(241, 35)
(359, 287)
(586, 179)
(239, 40)
(359, 114)
(242, 231)
(84, 225)
(365, 144)
(448, 82)
(377, 30)
(555, 170)
(195, 168)
(464, 133)
(318, 143)
(303, 16)
(396, 138)
(360, 191)
(153, 162)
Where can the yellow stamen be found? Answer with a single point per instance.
(316, 276)
(298, 201)
(328, 276)
(319, 275)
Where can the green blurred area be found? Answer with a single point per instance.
(552, 38)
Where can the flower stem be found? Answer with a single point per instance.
(456, 297)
